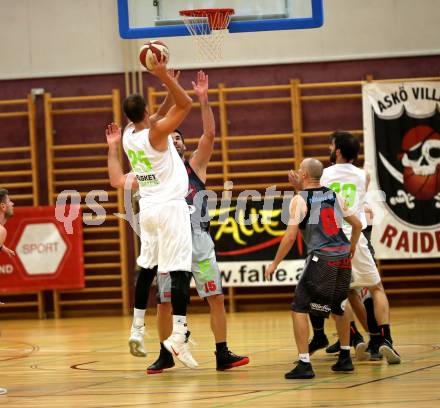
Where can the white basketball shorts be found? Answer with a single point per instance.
(364, 271)
(204, 269)
(166, 237)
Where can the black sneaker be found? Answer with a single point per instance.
(317, 342)
(334, 348)
(387, 350)
(301, 371)
(227, 359)
(343, 365)
(164, 361)
(373, 349)
(355, 338)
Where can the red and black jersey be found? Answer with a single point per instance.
(322, 225)
(199, 203)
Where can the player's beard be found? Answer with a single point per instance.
(9, 213)
(333, 157)
(180, 152)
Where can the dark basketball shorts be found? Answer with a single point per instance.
(323, 287)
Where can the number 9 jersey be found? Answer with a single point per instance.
(351, 183)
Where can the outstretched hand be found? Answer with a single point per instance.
(202, 85)
(113, 134)
(269, 271)
(295, 180)
(159, 67)
(174, 74)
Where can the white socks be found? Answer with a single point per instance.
(304, 357)
(179, 324)
(138, 317)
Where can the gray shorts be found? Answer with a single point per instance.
(204, 268)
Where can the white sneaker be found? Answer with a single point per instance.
(3, 391)
(177, 345)
(136, 340)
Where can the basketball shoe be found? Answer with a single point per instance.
(344, 364)
(360, 347)
(357, 342)
(164, 361)
(387, 350)
(301, 371)
(177, 345)
(373, 349)
(136, 339)
(226, 360)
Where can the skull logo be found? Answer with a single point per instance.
(421, 162)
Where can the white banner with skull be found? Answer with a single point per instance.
(402, 156)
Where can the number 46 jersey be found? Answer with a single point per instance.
(351, 183)
(161, 175)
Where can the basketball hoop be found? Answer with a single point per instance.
(208, 27)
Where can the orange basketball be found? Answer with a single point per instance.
(150, 48)
(421, 187)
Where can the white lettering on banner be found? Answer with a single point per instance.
(6, 269)
(41, 249)
(251, 273)
(401, 139)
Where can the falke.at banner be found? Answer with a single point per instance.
(402, 155)
(246, 236)
(46, 256)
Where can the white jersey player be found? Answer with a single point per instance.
(352, 182)
(160, 176)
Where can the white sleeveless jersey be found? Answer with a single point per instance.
(351, 182)
(162, 176)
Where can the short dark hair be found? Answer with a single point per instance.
(180, 134)
(348, 144)
(134, 108)
(3, 194)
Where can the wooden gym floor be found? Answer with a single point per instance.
(84, 362)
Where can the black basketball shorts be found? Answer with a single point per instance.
(323, 287)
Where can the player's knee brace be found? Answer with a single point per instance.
(143, 284)
(180, 291)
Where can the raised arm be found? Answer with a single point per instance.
(117, 177)
(297, 211)
(200, 159)
(167, 103)
(160, 129)
(295, 180)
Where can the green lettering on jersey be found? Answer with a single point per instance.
(138, 161)
(348, 192)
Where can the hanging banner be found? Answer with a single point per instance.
(402, 156)
(247, 234)
(46, 256)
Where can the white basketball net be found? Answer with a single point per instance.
(208, 31)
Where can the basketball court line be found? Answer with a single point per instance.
(393, 376)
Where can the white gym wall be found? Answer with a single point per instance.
(43, 38)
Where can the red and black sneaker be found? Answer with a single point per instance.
(226, 360)
(164, 361)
